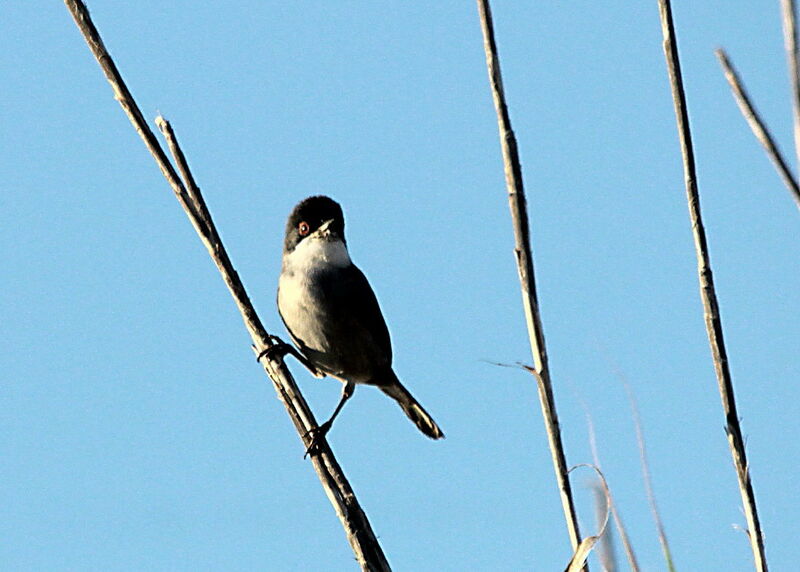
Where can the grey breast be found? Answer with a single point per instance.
(334, 318)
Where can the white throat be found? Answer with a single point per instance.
(315, 252)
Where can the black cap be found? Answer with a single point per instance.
(308, 215)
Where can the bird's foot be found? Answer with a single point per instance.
(316, 435)
(279, 349)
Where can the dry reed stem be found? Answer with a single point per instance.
(357, 528)
(519, 216)
(707, 291)
(789, 17)
(758, 126)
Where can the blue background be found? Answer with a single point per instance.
(138, 433)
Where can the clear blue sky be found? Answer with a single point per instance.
(138, 433)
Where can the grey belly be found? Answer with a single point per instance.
(328, 335)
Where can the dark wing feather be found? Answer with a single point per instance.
(352, 305)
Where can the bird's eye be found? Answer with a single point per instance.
(303, 228)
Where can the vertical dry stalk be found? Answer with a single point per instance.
(357, 528)
(789, 13)
(707, 292)
(757, 125)
(519, 217)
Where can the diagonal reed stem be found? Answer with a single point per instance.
(353, 519)
(758, 126)
(707, 291)
(789, 17)
(519, 218)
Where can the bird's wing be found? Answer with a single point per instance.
(354, 304)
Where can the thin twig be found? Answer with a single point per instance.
(192, 190)
(758, 126)
(519, 217)
(789, 16)
(707, 292)
(357, 528)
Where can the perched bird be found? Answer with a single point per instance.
(332, 314)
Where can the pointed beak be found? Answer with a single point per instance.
(324, 229)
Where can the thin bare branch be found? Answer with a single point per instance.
(519, 217)
(192, 190)
(707, 291)
(357, 528)
(758, 126)
(789, 16)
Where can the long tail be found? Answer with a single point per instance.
(412, 409)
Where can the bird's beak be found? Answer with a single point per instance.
(324, 229)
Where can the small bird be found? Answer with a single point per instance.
(332, 314)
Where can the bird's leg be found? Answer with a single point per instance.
(320, 432)
(279, 348)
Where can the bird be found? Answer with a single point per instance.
(332, 314)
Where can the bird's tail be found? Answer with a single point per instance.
(412, 408)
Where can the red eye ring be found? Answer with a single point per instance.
(303, 228)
